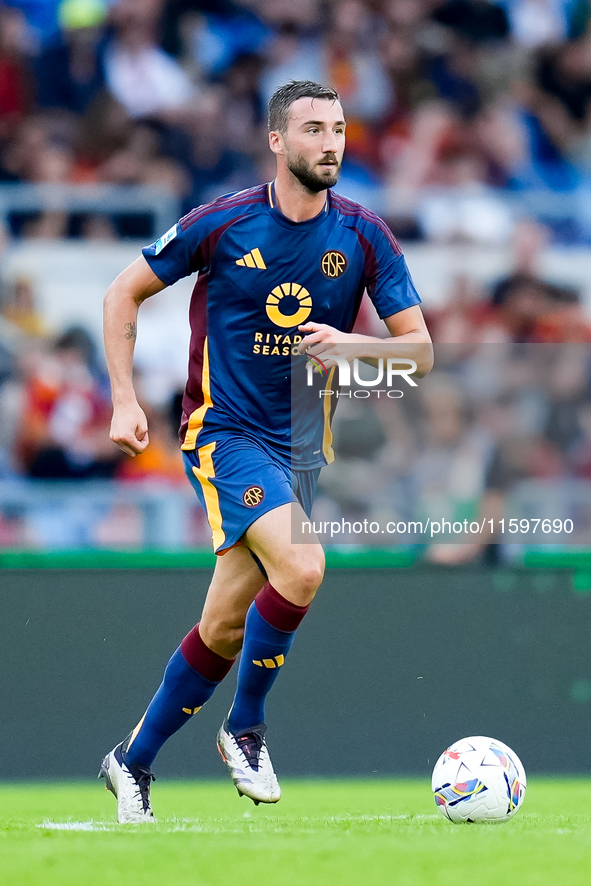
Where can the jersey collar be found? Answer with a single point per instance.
(286, 222)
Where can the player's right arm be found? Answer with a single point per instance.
(129, 426)
(184, 249)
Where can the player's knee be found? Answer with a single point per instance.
(312, 576)
(223, 636)
(308, 577)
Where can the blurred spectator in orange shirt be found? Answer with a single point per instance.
(162, 459)
(64, 432)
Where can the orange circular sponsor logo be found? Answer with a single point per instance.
(253, 496)
(289, 291)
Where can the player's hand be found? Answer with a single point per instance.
(323, 339)
(129, 429)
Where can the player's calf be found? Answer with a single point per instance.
(191, 676)
(270, 629)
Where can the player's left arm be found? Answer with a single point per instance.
(408, 326)
(409, 340)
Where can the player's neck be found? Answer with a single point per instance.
(295, 201)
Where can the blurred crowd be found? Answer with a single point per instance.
(55, 413)
(495, 431)
(443, 97)
(522, 306)
(55, 408)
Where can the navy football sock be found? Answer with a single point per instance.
(190, 678)
(270, 629)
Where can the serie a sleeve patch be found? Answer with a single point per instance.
(165, 239)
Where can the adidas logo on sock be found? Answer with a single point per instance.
(252, 259)
(270, 662)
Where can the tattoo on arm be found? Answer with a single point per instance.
(131, 331)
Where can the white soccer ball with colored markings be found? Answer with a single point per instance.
(478, 779)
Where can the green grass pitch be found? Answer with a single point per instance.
(367, 833)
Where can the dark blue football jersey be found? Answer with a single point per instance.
(261, 275)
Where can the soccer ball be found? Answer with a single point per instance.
(478, 779)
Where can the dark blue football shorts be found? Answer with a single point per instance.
(237, 481)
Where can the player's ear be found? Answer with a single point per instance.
(276, 142)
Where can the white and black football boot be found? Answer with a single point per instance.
(247, 757)
(130, 784)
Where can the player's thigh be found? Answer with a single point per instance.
(235, 583)
(295, 570)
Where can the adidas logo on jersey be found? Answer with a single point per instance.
(252, 259)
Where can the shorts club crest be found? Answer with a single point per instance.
(253, 496)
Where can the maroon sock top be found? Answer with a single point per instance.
(203, 659)
(279, 612)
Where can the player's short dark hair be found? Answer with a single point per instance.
(285, 96)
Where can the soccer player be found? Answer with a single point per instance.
(281, 271)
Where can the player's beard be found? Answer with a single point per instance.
(307, 175)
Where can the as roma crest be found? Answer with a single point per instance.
(333, 263)
(253, 496)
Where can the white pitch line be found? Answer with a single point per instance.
(76, 826)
